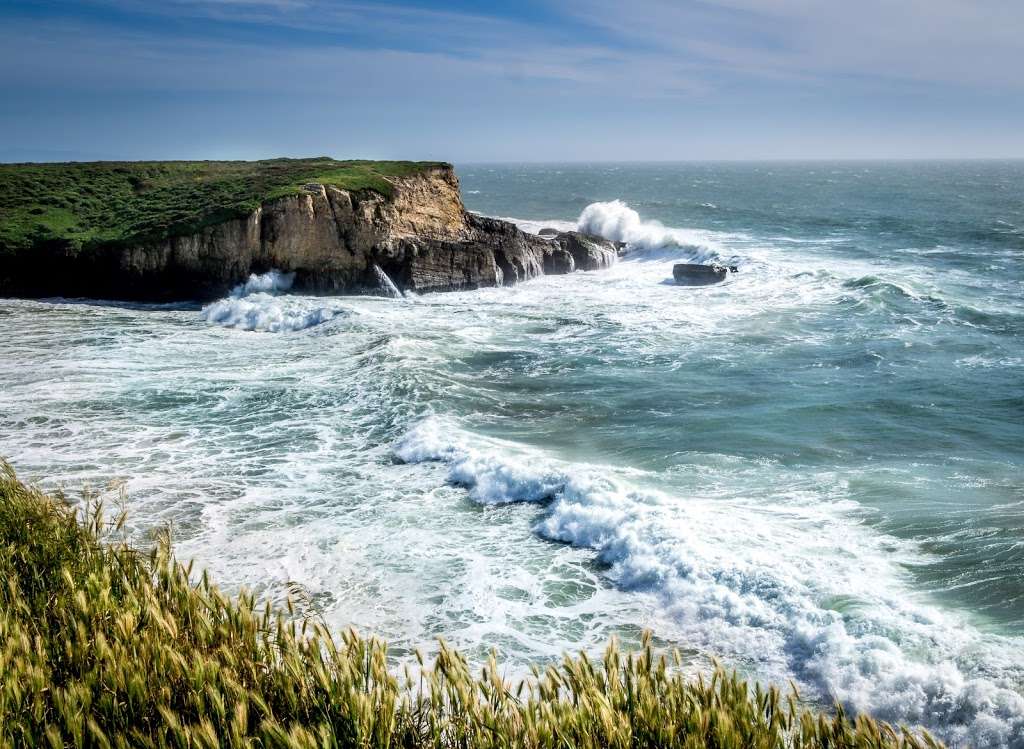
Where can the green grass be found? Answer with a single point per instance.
(103, 645)
(86, 205)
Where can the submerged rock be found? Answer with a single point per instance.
(694, 274)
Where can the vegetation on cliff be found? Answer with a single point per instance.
(103, 645)
(82, 205)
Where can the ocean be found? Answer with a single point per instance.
(812, 471)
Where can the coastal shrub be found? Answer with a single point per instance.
(106, 645)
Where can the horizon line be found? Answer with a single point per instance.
(566, 162)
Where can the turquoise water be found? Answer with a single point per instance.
(812, 471)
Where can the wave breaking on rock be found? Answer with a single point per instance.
(255, 306)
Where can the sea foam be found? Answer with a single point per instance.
(802, 591)
(256, 306)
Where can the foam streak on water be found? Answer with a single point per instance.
(812, 470)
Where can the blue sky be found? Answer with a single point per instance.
(512, 81)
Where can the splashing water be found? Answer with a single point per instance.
(618, 222)
(257, 306)
(715, 568)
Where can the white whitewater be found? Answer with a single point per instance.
(259, 304)
(753, 585)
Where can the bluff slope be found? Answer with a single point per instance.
(331, 233)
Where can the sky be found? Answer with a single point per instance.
(533, 80)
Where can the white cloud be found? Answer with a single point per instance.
(649, 48)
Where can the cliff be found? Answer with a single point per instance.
(412, 224)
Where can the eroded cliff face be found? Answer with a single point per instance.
(427, 206)
(421, 236)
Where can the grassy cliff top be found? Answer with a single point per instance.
(113, 202)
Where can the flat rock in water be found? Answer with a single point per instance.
(694, 274)
(548, 232)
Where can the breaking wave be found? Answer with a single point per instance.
(256, 306)
(271, 282)
(803, 591)
(616, 221)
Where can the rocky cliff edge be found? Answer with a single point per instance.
(333, 240)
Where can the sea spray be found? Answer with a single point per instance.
(256, 306)
(763, 594)
(271, 282)
(618, 222)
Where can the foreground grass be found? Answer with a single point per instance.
(86, 205)
(102, 645)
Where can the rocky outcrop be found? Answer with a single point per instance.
(587, 251)
(333, 240)
(693, 274)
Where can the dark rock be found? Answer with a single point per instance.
(588, 252)
(693, 274)
(548, 232)
(558, 261)
(519, 256)
(425, 266)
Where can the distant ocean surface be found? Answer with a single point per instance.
(814, 470)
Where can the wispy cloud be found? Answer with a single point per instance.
(462, 48)
(647, 48)
(973, 43)
(645, 79)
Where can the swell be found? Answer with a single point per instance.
(881, 293)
